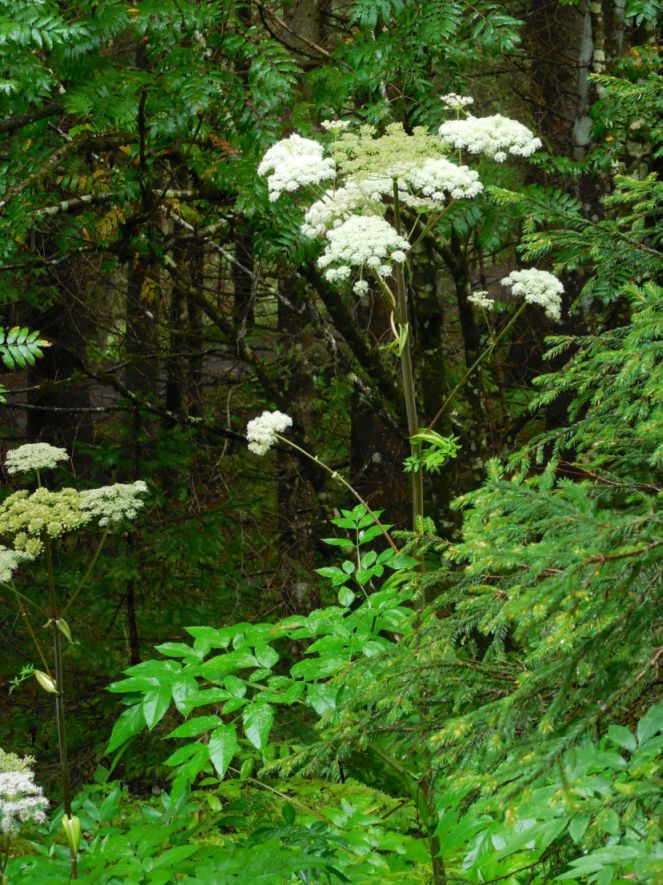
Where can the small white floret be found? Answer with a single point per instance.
(456, 102)
(537, 287)
(34, 456)
(495, 136)
(262, 431)
(295, 162)
(480, 299)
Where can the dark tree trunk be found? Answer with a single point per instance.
(299, 510)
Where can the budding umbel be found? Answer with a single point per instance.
(46, 682)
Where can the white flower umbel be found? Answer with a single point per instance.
(111, 505)
(10, 560)
(438, 179)
(261, 431)
(362, 240)
(537, 287)
(294, 163)
(335, 125)
(21, 800)
(34, 456)
(456, 102)
(495, 136)
(480, 299)
(364, 195)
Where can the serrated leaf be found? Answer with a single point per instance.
(235, 686)
(322, 697)
(258, 720)
(345, 597)
(622, 737)
(223, 746)
(650, 724)
(174, 649)
(155, 704)
(266, 656)
(129, 724)
(195, 727)
(577, 827)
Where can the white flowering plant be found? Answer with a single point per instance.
(379, 197)
(32, 521)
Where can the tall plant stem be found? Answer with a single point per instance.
(424, 794)
(407, 373)
(337, 476)
(59, 697)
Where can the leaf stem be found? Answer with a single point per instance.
(337, 476)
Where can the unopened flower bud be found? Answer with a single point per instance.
(46, 682)
(72, 830)
(63, 627)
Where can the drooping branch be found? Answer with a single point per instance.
(84, 142)
(18, 121)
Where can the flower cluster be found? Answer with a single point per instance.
(456, 102)
(480, 299)
(34, 456)
(10, 560)
(28, 517)
(438, 179)
(362, 240)
(12, 762)
(335, 125)
(537, 287)
(494, 136)
(261, 431)
(357, 196)
(111, 505)
(21, 800)
(293, 163)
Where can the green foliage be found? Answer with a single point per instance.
(493, 699)
(19, 348)
(439, 450)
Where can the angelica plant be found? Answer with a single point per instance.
(33, 521)
(378, 195)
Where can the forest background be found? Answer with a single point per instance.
(178, 302)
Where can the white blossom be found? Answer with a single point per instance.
(34, 456)
(494, 136)
(113, 504)
(335, 125)
(261, 431)
(293, 163)
(21, 800)
(363, 240)
(361, 288)
(537, 287)
(10, 560)
(437, 179)
(480, 299)
(456, 102)
(337, 204)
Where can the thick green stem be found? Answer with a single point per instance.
(59, 697)
(407, 372)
